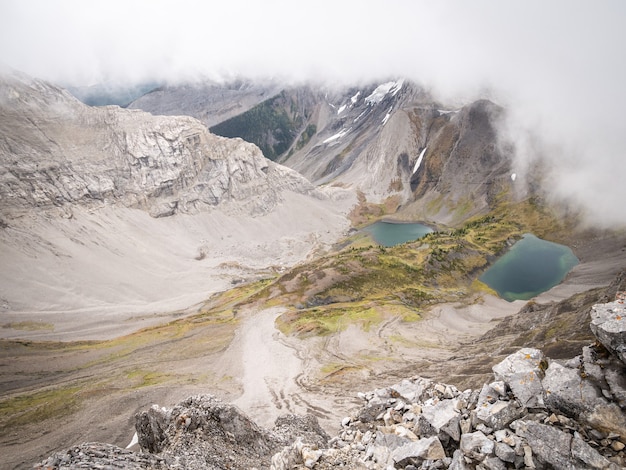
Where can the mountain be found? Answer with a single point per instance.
(386, 140)
(55, 151)
(110, 93)
(146, 260)
(210, 102)
(85, 193)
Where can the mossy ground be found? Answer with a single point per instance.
(74, 372)
(364, 282)
(29, 326)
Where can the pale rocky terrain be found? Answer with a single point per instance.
(389, 139)
(535, 413)
(113, 220)
(114, 214)
(209, 102)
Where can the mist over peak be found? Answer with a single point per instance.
(554, 65)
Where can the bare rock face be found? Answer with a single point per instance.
(522, 371)
(56, 151)
(209, 102)
(383, 139)
(608, 323)
(96, 455)
(575, 423)
(103, 207)
(202, 432)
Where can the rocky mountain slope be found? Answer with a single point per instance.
(83, 194)
(209, 102)
(384, 140)
(113, 220)
(536, 412)
(56, 151)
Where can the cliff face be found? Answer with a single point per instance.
(108, 207)
(55, 151)
(209, 102)
(385, 139)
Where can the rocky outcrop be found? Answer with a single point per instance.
(143, 199)
(200, 433)
(383, 139)
(209, 102)
(55, 151)
(608, 323)
(537, 413)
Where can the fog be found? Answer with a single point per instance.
(557, 66)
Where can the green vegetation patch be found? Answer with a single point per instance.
(306, 135)
(38, 406)
(272, 125)
(323, 321)
(443, 266)
(29, 326)
(145, 378)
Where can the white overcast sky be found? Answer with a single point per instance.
(559, 66)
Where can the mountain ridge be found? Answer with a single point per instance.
(370, 138)
(87, 186)
(171, 306)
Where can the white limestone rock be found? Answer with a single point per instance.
(608, 324)
(522, 372)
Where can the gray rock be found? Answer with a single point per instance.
(204, 431)
(488, 395)
(458, 461)
(608, 324)
(477, 445)
(584, 452)
(151, 426)
(445, 417)
(608, 418)
(499, 387)
(424, 428)
(505, 452)
(493, 463)
(70, 153)
(429, 448)
(391, 441)
(522, 372)
(306, 428)
(499, 414)
(105, 456)
(615, 376)
(557, 448)
(566, 392)
(411, 390)
(590, 367)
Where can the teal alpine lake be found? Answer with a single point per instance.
(392, 233)
(530, 267)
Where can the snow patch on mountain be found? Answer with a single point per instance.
(383, 90)
(337, 136)
(419, 160)
(387, 116)
(359, 116)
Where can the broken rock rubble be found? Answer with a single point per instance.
(537, 413)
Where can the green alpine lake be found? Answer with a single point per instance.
(394, 233)
(530, 267)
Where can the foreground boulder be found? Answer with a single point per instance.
(608, 323)
(537, 413)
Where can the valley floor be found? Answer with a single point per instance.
(244, 360)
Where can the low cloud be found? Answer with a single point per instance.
(557, 66)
